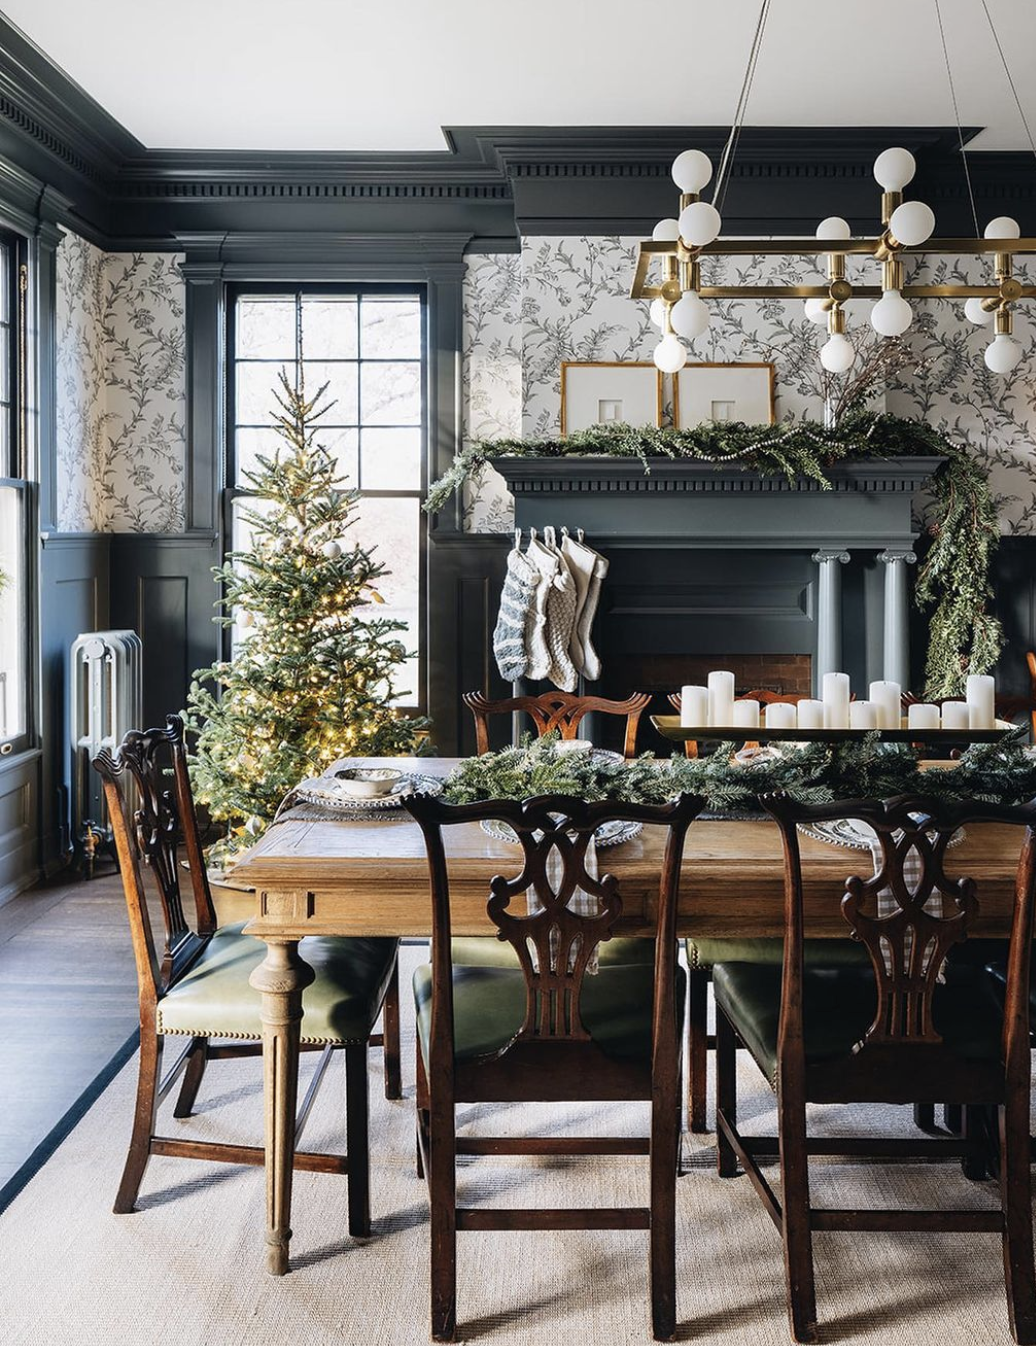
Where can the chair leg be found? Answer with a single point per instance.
(726, 1092)
(697, 1047)
(192, 1077)
(390, 1037)
(442, 1191)
(357, 1132)
(1016, 1198)
(143, 1121)
(795, 1219)
(953, 1118)
(924, 1117)
(665, 1134)
(975, 1127)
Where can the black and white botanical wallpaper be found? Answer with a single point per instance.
(120, 391)
(568, 299)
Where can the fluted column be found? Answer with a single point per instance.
(896, 647)
(829, 612)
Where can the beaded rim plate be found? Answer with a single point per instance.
(841, 832)
(325, 791)
(608, 834)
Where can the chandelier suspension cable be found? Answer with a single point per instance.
(956, 115)
(723, 174)
(1010, 81)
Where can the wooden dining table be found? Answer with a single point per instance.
(320, 875)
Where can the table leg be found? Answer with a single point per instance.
(281, 978)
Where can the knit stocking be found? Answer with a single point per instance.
(516, 603)
(545, 563)
(561, 618)
(589, 568)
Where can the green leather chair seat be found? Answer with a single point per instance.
(214, 998)
(489, 1008)
(478, 951)
(818, 952)
(838, 1008)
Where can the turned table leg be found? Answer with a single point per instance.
(281, 978)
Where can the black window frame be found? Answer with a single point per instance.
(231, 491)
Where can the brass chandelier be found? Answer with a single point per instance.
(680, 242)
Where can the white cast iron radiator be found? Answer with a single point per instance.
(107, 700)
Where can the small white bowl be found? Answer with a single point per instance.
(574, 745)
(368, 782)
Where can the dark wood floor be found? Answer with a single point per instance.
(68, 1002)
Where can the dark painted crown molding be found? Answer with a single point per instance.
(492, 184)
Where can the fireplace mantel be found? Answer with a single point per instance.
(684, 505)
(688, 504)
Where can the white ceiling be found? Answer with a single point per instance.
(360, 75)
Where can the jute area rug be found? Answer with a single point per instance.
(188, 1266)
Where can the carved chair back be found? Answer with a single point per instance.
(908, 913)
(561, 711)
(554, 943)
(148, 793)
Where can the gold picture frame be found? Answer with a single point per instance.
(577, 401)
(755, 391)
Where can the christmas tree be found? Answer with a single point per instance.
(311, 679)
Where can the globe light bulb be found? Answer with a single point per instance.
(891, 315)
(666, 231)
(834, 227)
(1002, 354)
(974, 312)
(699, 224)
(815, 311)
(670, 355)
(1003, 227)
(912, 223)
(692, 170)
(894, 168)
(657, 312)
(837, 354)
(690, 317)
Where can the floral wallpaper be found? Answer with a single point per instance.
(120, 391)
(568, 299)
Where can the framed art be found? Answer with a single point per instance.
(724, 392)
(606, 392)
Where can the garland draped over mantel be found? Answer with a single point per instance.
(954, 577)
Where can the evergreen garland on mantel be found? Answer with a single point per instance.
(954, 577)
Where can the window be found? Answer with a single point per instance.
(14, 501)
(368, 345)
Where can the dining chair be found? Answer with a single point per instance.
(549, 1030)
(193, 981)
(561, 711)
(909, 1028)
(702, 954)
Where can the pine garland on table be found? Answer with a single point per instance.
(954, 579)
(812, 773)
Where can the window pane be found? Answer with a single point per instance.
(391, 460)
(341, 390)
(391, 394)
(391, 530)
(249, 444)
(329, 329)
(258, 387)
(266, 328)
(14, 636)
(390, 329)
(342, 444)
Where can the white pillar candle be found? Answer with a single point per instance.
(863, 715)
(922, 716)
(781, 715)
(746, 714)
(836, 700)
(956, 715)
(887, 696)
(721, 698)
(980, 692)
(694, 707)
(811, 714)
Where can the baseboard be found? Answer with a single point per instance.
(68, 1122)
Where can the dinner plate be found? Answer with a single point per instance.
(328, 793)
(608, 834)
(844, 832)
